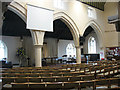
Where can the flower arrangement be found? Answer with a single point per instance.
(21, 52)
(21, 55)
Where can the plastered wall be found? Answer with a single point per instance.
(12, 43)
(111, 36)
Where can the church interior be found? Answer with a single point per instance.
(60, 44)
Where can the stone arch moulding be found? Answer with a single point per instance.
(71, 24)
(98, 31)
(20, 9)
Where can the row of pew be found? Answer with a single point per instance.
(69, 84)
(77, 76)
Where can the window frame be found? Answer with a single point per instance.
(92, 49)
(5, 49)
(71, 49)
(92, 13)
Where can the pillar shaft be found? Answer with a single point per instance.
(78, 55)
(38, 59)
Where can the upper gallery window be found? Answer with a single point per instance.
(58, 4)
(91, 13)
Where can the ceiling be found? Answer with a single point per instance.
(14, 25)
(60, 31)
(94, 3)
(88, 31)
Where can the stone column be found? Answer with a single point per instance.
(78, 54)
(38, 58)
(38, 37)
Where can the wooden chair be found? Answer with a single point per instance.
(21, 79)
(7, 80)
(70, 85)
(84, 84)
(48, 79)
(106, 82)
(34, 75)
(74, 78)
(53, 85)
(62, 79)
(20, 85)
(35, 79)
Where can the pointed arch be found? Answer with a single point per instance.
(98, 31)
(71, 25)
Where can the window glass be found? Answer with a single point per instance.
(91, 45)
(3, 50)
(58, 4)
(71, 50)
(91, 13)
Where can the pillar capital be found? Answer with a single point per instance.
(38, 37)
(36, 45)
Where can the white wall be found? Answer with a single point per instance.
(12, 43)
(111, 36)
(62, 44)
(56, 47)
(29, 48)
(52, 45)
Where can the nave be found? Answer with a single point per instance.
(97, 75)
(81, 52)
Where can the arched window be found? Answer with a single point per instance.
(71, 50)
(91, 45)
(3, 50)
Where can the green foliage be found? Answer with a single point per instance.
(21, 52)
